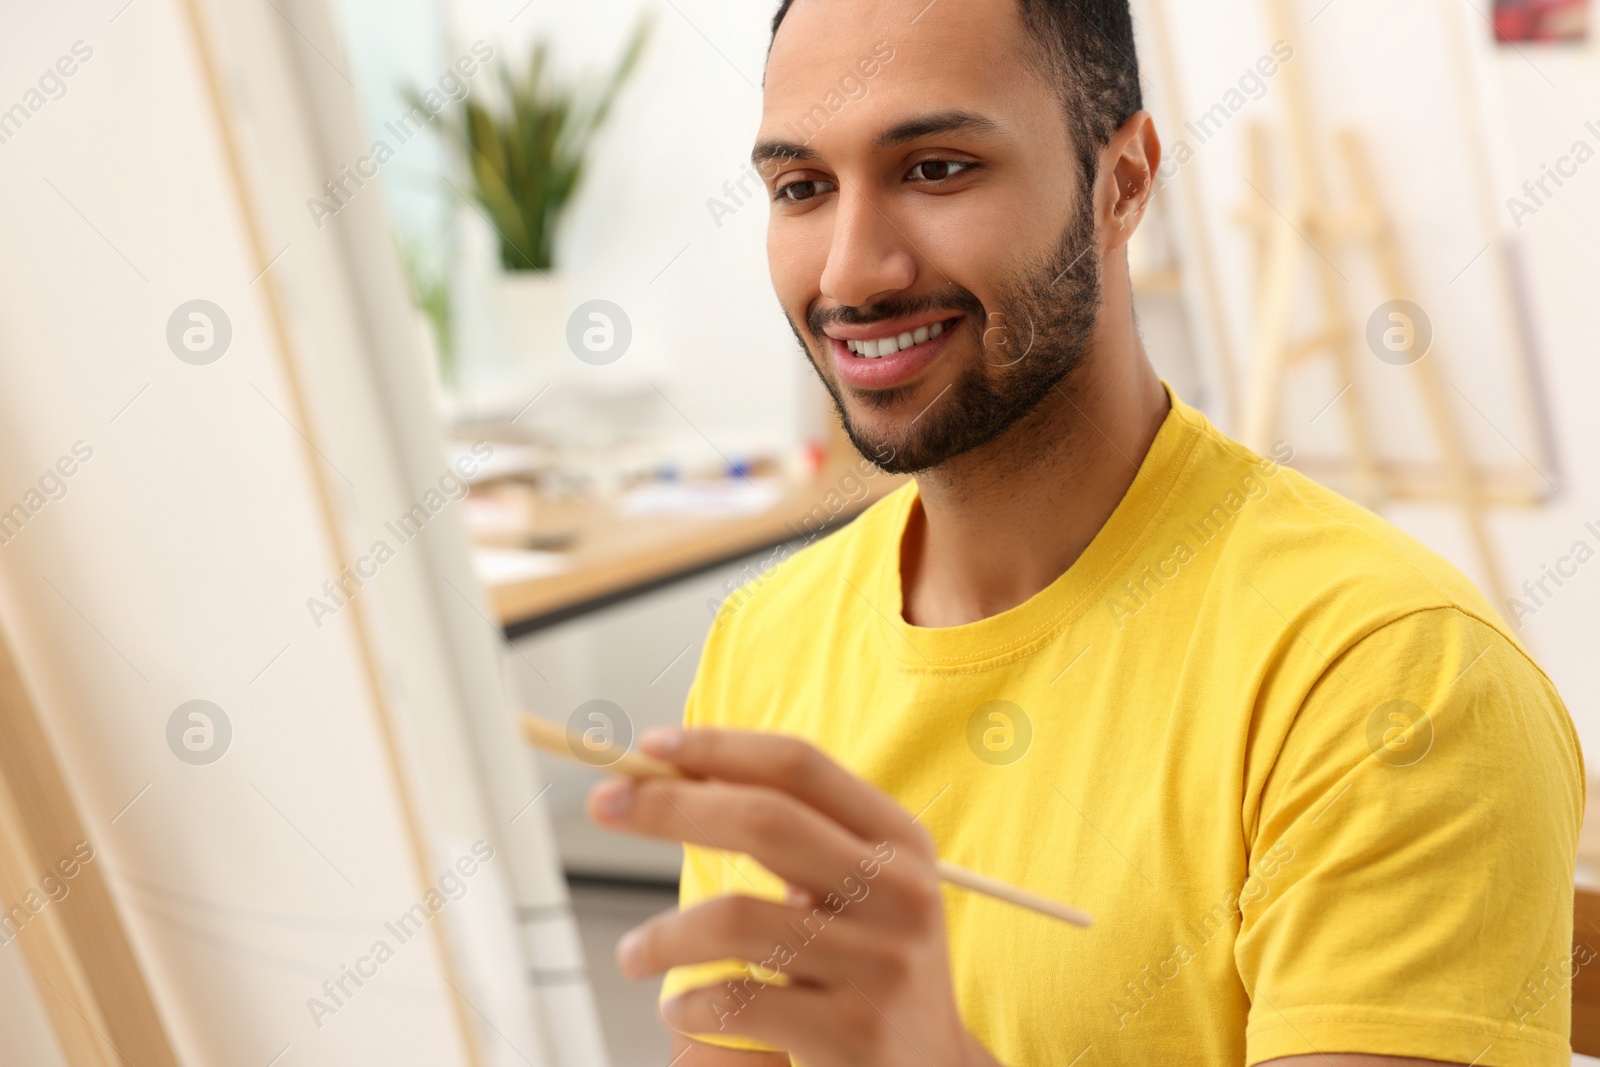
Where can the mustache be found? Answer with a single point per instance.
(954, 299)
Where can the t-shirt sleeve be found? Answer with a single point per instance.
(708, 873)
(1415, 840)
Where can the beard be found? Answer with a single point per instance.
(1034, 337)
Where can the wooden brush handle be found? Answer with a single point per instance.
(557, 739)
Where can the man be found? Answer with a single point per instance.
(1320, 803)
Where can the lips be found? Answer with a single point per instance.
(884, 355)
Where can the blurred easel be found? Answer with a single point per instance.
(77, 951)
(1289, 240)
(1195, 229)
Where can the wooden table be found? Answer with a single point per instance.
(614, 558)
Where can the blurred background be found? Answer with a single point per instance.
(370, 372)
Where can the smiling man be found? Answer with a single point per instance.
(1321, 803)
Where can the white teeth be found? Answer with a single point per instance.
(888, 346)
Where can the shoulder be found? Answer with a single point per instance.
(1458, 672)
(1436, 712)
(1312, 556)
(1331, 598)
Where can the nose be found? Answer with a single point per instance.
(869, 257)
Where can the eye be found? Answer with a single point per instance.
(801, 191)
(939, 170)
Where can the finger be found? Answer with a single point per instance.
(796, 768)
(775, 939)
(793, 1018)
(793, 841)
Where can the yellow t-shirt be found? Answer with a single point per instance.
(1316, 796)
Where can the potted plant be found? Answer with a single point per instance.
(525, 155)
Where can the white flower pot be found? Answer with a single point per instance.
(532, 308)
(510, 327)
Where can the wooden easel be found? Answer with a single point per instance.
(1291, 235)
(79, 954)
(1195, 239)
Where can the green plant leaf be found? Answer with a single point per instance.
(526, 152)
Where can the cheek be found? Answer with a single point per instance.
(988, 245)
(797, 254)
(981, 244)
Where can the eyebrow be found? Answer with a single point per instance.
(929, 125)
(898, 134)
(766, 150)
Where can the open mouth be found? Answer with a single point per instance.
(891, 353)
(889, 344)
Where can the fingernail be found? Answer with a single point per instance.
(663, 741)
(612, 798)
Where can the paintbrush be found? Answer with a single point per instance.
(555, 738)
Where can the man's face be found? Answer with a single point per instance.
(931, 242)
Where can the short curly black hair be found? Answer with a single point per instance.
(1087, 48)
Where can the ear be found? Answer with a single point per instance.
(1128, 166)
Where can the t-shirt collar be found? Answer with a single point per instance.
(1024, 628)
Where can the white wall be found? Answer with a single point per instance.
(1561, 248)
(707, 328)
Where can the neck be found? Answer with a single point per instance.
(997, 525)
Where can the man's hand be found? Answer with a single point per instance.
(853, 968)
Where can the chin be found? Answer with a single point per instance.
(884, 424)
(882, 438)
